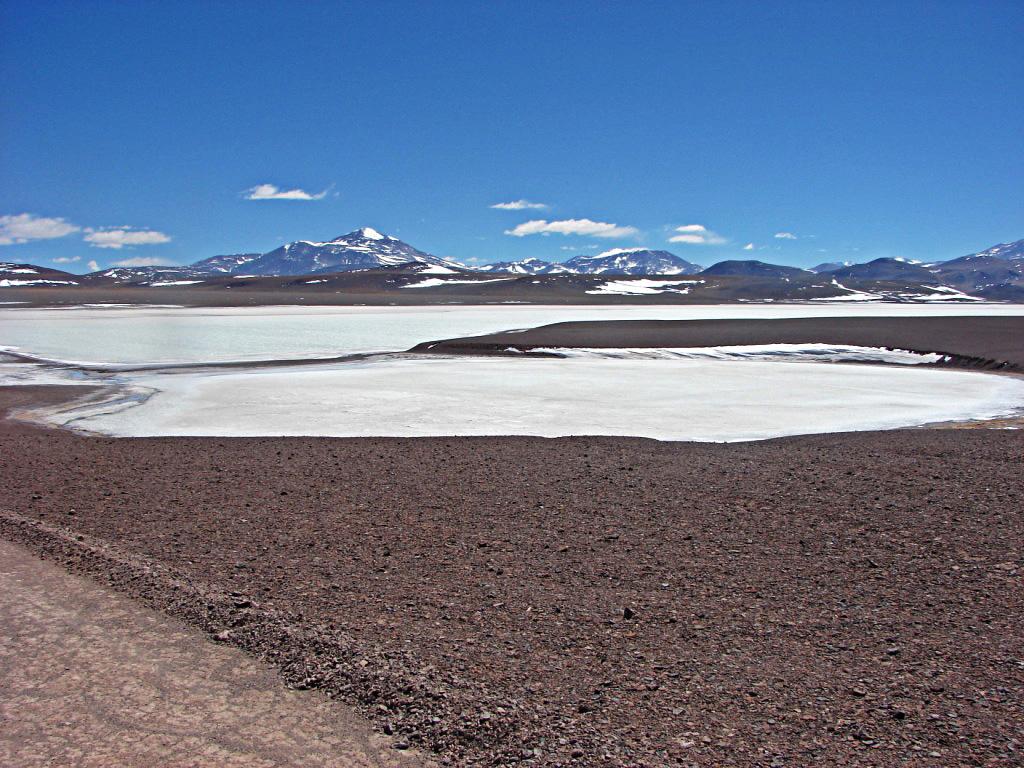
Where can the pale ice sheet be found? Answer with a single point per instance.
(705, 400)
(168, 334)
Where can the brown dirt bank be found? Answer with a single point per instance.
(839, 599)
(988, 342)
(140, 690)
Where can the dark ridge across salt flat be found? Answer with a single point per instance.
(986, 341)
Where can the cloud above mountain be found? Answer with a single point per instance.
(520, 205)
(273, 192)
(582, 227)
(26, 227)
(785, 236)
(122, 237)
(696, 234)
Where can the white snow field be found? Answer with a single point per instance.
(644, 287)
(673, 399)
(139, 335)
(434, 282)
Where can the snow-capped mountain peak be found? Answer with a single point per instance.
(363, 248)
(527, 266)
(363, 233)
(1008, 251)
(632, 261)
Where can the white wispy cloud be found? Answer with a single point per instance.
(584, 227)
(66, 259)
(121, 237)
(696, 234)
(748, 247)
(588, 246)
(138, 261)
(521, 205)
(273, 192)
(93, 266)
(25, 227)
(785, 236)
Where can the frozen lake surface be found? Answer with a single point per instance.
(670, 399)
(166, 335)
(703, 394)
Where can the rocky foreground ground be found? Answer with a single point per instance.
(824, 600)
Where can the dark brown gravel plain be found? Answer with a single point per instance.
(849, 599)
(980, 342)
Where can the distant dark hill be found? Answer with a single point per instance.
(753, 269)
(982, 274)
(830, 266)
(18, 275)
(885, 269)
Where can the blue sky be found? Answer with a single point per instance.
(136, 131)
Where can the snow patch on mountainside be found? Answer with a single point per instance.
(528, 266)
(643, 287)
(933, 293)
(21, 283)
(434, 282)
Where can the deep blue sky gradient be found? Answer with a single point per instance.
(889, 129)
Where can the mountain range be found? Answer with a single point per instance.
(995, 273)
(617, 261)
